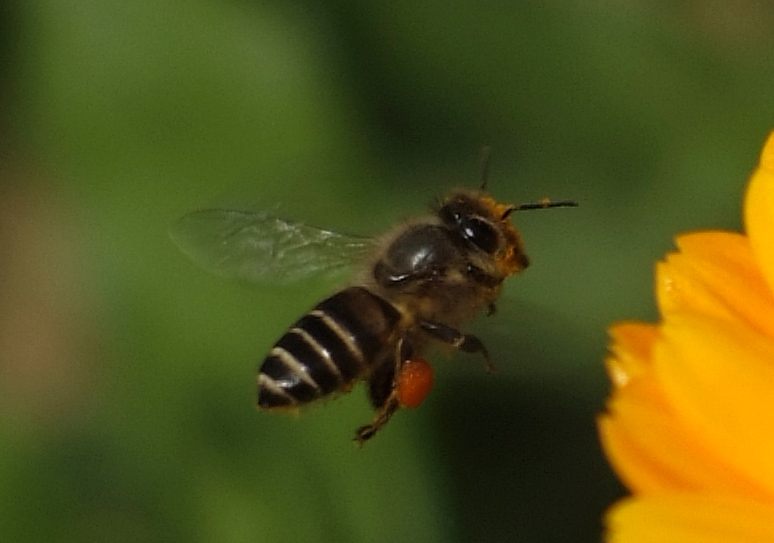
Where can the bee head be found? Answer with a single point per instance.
(484, 224)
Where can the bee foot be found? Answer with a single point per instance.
(364, 433)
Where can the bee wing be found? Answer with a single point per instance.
(259, 247)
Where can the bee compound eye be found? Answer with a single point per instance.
(481, 233)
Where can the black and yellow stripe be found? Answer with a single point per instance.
(331, 346)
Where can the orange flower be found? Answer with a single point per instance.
(689, 426)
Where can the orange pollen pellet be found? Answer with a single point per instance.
(414, 382)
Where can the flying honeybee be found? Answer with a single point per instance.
(418, 284)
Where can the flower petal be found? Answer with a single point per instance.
(759, 211)
(653, 451)
(683, 518)
(640, 433)
(719, 378)
(715, 274)
(630, 349)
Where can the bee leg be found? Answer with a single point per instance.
(364, 433)
(464, 342)
(382, 393)
(380, 383)
(491, 309)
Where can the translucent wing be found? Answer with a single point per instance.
(259, 247)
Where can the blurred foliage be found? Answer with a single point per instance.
(127, 374)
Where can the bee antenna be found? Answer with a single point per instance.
(542, 204)
(484, 167)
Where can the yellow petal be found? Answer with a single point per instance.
(690, 518)
(630, 349)
(715, 273)
(718, 376)
(759, 211)
(640, 434)
(654, 451)
(634, 463)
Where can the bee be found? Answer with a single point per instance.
(418, 284)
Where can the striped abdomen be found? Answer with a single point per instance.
(335, 343)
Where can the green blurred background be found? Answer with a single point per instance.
(127, 373)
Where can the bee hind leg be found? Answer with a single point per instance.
(382, 393)
(464, 342)
(364, 433)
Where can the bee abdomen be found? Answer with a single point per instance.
(327, 349)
